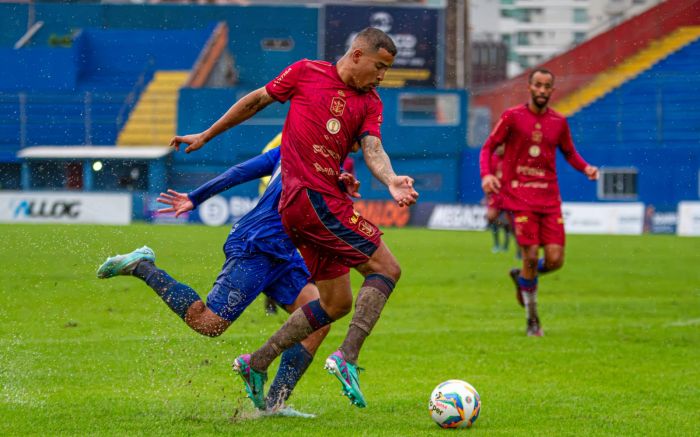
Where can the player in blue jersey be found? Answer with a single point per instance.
(260, 258)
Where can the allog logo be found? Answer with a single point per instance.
(47, 209)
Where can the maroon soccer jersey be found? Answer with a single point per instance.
(325, 118)
(529, 181)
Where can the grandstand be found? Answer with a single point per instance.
(110, 74)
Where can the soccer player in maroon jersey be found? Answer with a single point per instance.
(496, 216)
(334, 108)
(532, 132)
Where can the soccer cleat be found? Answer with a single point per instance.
(514, 274)
(254, 380)
(286, 411)
(348, 375)
(125, 264)
(533, 328)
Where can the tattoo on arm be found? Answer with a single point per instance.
(257, 102)
(377, 160)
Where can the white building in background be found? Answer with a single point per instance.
(536, 30)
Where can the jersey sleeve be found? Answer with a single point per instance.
(254, 168)
(283, 86)
(498, 135)
(566, 145)
(372, 123)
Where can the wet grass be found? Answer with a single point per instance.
(82, 356)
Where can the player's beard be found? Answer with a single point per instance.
(540, 105)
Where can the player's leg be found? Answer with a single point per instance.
(553, 259)
(204, 321)
(504, 224)
(180, 298)
(270, 306)
(527, 284)
(306, 319)
(553, 238)
(295, 360)
(527, 231)
(284, 288)
(492, 224)
(381, 272)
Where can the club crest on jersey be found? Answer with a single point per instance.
(337, 106)
(333, 126)
(366, 228)
(534, 151)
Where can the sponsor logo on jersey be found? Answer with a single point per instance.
(333, 126)
(341, 93)
(521, 219)
(355, 217)
(337, 106)
(537, 136)
(534, 151)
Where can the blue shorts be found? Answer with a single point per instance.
(244, 277)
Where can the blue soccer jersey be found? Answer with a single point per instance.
(260, 257)
(260, 230)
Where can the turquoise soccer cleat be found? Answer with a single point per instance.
(348, 375)
(254, 380)
(125, 264)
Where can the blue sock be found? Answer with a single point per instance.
(293, 364)
(179, 297)
(541, 268)
(527, 285)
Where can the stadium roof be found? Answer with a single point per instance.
(92, 152)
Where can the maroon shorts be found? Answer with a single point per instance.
(329, 233)
(538, 229)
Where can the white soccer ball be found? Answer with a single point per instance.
(454, 404)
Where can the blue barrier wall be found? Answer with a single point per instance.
(428, 153)
(39, 69)
(129, 51)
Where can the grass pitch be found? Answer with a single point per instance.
(620, 356)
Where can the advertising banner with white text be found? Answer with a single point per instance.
(65, 207)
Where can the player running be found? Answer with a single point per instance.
(260, 258)
(333, 106)
(496, 217)
(532, 132)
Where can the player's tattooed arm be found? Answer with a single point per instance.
(241, 111)
(377, 160)
(400, 187)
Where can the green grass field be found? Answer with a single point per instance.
(620, 356)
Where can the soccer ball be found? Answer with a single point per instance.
(454, 404)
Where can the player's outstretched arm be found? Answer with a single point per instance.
(254, 168)
(400, 187)
(241, 111)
